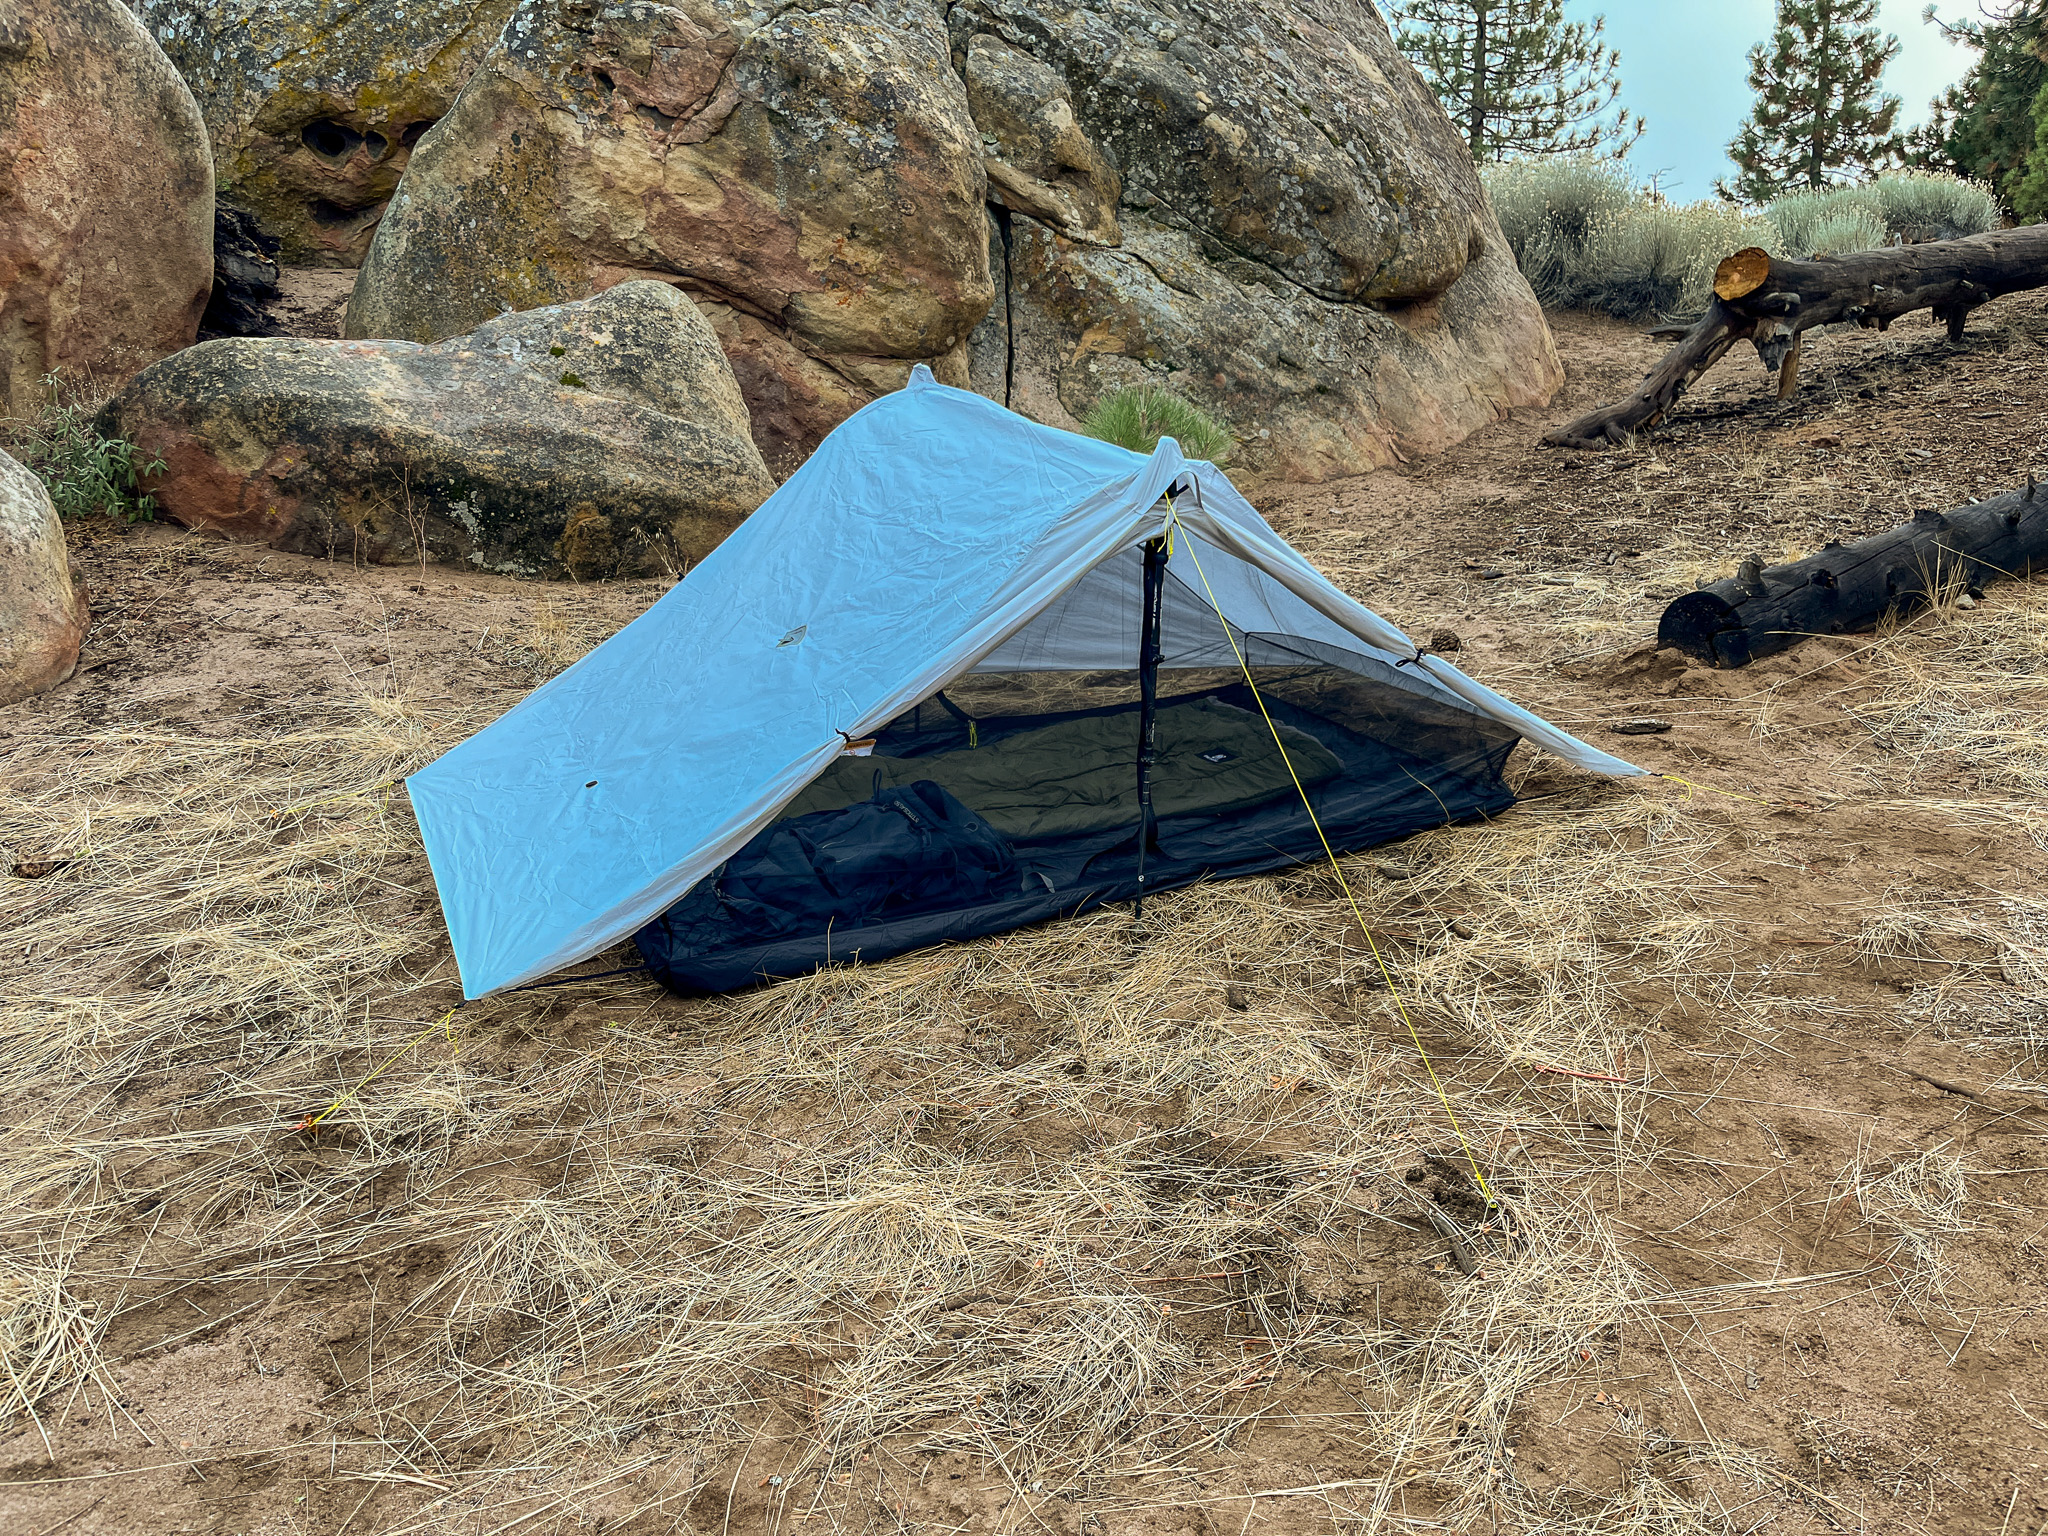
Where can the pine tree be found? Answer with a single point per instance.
(1819, 116)
(2029, 183)
(1984, 126)
(1518, 78)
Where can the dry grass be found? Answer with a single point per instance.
(1963, 693)
(1956, 700)
(1083, 1205)
(831, 1200)
(1919, 1201)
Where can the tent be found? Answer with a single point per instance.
(904, 702)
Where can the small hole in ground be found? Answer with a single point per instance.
(414, 132)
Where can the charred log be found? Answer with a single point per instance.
(1850, 587)
(245, 277)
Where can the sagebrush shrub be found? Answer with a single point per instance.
(1900, 208)
(1587, 238)
(1928, 205)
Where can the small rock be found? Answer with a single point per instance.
(1966, 601)
(1642, 725)
(1236, 998)
(1387, 869)
(1491, 573)
(1445, 641)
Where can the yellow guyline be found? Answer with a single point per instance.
(1173, 521)
(312, 1122)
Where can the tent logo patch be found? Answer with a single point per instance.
(793, 636)
(1218, 755)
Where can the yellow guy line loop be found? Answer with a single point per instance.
(312, 1122)
(1337, 869)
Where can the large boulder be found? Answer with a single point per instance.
(1302, 246)
(106, 198)
(814, 177)
(42, 605)
(314, 106)
(593, 439)
(1257, 202)
(1312, 389)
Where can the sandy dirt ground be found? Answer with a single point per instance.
(1796, 1144)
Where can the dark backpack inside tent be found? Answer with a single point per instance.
(1012, 794)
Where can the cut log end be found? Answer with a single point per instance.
(1743, 273)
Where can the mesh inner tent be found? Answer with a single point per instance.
(1039, 741)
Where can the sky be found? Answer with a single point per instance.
(1684, 68)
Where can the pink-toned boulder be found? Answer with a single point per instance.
(42, 605)
(106, 198)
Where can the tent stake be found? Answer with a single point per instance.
(1149, 653)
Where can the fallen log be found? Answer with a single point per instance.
(1850, 587)
(1771, 302)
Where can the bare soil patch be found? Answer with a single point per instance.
(1068, 1231)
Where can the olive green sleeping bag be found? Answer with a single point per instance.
(1080, 776)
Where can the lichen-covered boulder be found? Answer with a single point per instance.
(314, 106)
(1287, 133)
(1256, 202)
(1039, 161)
(594, 439)
(813, 175)
(1302, 245)
(43, 610)
(106, 198)
(1311, 389)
